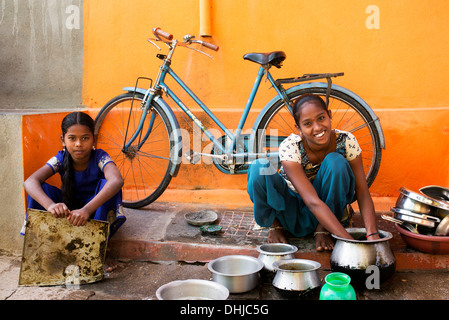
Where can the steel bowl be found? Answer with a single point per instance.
(424, 243)
(436, 192)
(415, 218)
(238, 273)
(192, 289)
(443, 227)
(296, 274)
(442, 195)
(273, 252)
(421, 203)
(411, 201)
(200, 218)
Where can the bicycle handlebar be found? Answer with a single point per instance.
(209, 45)
(159, 33)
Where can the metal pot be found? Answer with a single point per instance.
(353, 257)
(192, 289)
(296, 274)
(238, 273)
(273, 252)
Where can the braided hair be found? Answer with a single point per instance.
(67, 178)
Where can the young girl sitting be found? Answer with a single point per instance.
(91, 182)
(321, 174)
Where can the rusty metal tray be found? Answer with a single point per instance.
(57, 253)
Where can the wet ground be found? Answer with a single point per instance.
(157, 246)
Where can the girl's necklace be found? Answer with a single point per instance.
(326, 151)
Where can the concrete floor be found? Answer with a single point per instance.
(157, 246)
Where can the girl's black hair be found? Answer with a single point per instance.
(67, 178)
(304, 99)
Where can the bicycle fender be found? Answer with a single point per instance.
(176, 136)
(335, 87)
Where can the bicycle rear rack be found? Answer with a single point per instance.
(313, 77)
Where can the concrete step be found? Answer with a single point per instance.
(159, 232)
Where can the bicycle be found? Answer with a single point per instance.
(146, 142)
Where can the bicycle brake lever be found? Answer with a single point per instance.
(154, 43)
(200, 52)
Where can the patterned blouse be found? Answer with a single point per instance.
(292, 149)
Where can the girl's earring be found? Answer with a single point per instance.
(93, 147)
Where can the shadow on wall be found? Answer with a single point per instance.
(42, 54)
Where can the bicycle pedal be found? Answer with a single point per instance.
(192, 156)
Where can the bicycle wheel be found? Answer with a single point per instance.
(146, 171)
(347, 115)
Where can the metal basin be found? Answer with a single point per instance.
(296, 274)
(238, 273)
(273, 252)
(353, 257)
(193, 289)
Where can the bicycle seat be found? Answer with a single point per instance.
(274, 58)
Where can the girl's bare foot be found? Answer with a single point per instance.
(276, 235)
(323, 241)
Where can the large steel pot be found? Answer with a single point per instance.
(273, 252)
(296, 275)
(238, 273)
(353, 257)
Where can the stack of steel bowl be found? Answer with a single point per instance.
(423, 218)
(417, 209)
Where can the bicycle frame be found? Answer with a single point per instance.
(229, 149)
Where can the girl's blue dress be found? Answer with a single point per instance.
(273, 199)
(86, 185)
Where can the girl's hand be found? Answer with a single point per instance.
(78, 217)
(58, 210)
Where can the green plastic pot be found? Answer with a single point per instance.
(337, 287)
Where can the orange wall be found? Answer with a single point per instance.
(401, 69)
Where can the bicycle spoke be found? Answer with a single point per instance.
(145, 171)
(346, 116)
